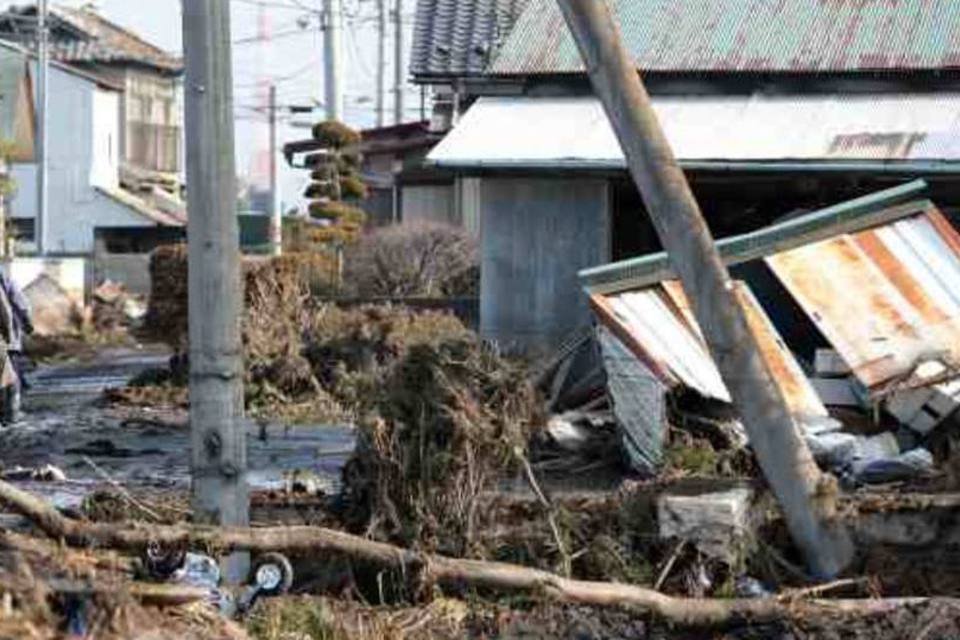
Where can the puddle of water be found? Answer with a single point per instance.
(63, 423)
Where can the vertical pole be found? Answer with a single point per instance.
(276, 214)
(399, 75)
(217, 438)
(381, 62)
(4, 177)
(805, 495)
(333, 58)
(43, 103)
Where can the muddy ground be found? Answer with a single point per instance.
(65, 422)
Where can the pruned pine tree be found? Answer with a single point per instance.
(336, 188)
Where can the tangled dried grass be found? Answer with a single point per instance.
(452, 420)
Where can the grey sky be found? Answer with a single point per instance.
(293, 58)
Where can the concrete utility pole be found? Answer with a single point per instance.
(805, 494)
(276, 212)
(217, 439)
(381, 62)
(399, 74)
(333, 57)
(43, 103)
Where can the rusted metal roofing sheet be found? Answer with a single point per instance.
(866, 212)
(807, 36)
(657, 325)
(887, 298)
(574, 132)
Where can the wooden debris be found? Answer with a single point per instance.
(451, 572)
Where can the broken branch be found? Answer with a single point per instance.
(451, 572)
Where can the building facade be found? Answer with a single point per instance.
(772, 109)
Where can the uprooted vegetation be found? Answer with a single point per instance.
(304, 360)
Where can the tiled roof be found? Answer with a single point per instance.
(83, 35)
(801, 36)
(455, 38)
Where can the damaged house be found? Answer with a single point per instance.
(115, 144)
(774, 109)
(855, 307)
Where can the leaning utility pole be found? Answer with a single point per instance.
(333, 58)
(805, 494)
(217, 434)
(381, 62)
(43, 104)
(276, 213)
(398, 67)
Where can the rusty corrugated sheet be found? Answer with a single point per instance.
(887, 298)
(657, 324)
(751, 36)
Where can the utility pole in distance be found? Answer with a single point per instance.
(276, 213)
(398, 66)
(332, 58)
(43, 108)
(217, 434)
(804, 493)
(381, 62)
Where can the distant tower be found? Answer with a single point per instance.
(259, 176)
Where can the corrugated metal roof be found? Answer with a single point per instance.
(455, 38)
(750, 36)
(522, 132)
(866, 212)
(658, 326)
(887, 298)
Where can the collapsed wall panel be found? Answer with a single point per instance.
(652, 344)
(888, 300)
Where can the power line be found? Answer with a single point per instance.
(274, 36)
(292, 5)
(310, 66)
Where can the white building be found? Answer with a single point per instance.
(84, 193)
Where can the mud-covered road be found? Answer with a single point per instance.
(65, 422)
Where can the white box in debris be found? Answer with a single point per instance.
(829, 364)
(924, 409)
(717, 523)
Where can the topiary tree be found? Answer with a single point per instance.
(336, 188)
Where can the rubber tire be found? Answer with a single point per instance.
(286, 569)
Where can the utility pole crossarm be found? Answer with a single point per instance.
(804, 494)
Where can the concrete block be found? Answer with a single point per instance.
(716, 523)
(835, 392)
(828, 363)
(924, 409)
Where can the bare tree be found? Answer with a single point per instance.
(427, 260)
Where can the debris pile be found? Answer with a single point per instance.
(449, 422)
(114, 310)
(854, 315)
(48, 591)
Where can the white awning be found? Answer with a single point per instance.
(830, 130)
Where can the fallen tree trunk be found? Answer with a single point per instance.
(451, 572)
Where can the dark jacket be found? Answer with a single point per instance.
(19, 311)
